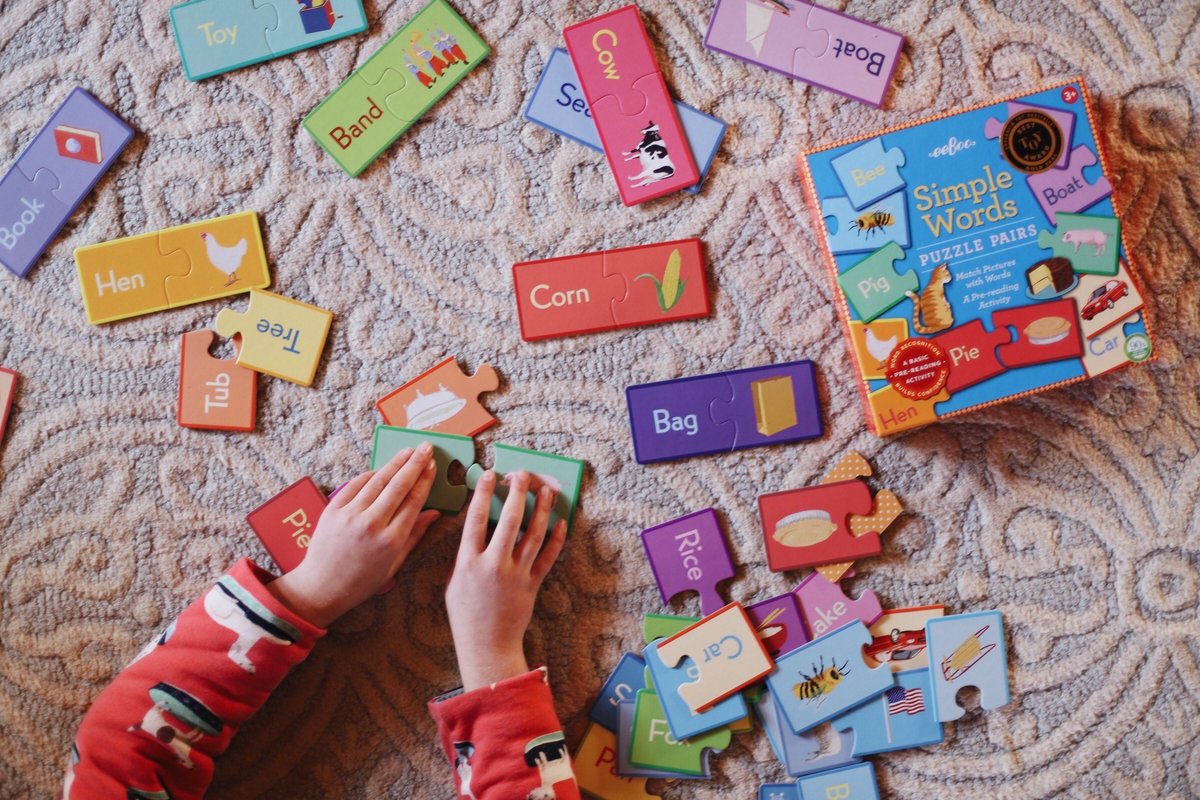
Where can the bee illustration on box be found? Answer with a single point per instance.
(653, 157)
(871, 222)
(966, 655)
(822, 682)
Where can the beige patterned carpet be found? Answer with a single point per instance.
(1073, 512)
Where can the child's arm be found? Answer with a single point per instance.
(157, 728)
(500, 732)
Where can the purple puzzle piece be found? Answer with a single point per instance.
(1066, 189)
(825, 607)
(690, 554)
(779, 624)
(671, 419)
(1065, 120)
(30, 216)
(772, 404)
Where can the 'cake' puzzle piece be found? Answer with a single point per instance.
(727, 653)
(214, 393)
(280, 336)
(652, 746)
(1067, 189)
(1065, 120)
(971, 351)
(1043, 332)
(627, 678)
(1091, 243)
(814, 750)
(443, 399)
(447, 449)
(778, 623)
(967, 650)
(286, 522)
(684, 722)
(563, 474)
(899, 719)
(869, 173)
(595, 765)
(690, 554)
(853, 782)
(898, 638)
(826, 607)
(869, 229)
(8, 391)
(807, 527)
(872, 285)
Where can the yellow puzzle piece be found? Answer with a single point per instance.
(596, 768)
(280, 336)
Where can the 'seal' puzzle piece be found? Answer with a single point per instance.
(898, 638)
(863, 231)
(595, 765)
(1043, 332)
(899, 719)
(682, 720)
(1058, 190)
(447, 449)
(778, 623)
(971, 351)
(563, 474)
(652, 746)
(806, 527)
(868, 172)
(626, 679)
(726, 650)
(887, 507)
(853, 782)
(443, 399)
(1091, 243)
(690, 554)
(1065, 120)
(814, 750)
(53, 174)
(214, 393)
(280, 336)
(872, 285)
(8, 390)
(967, 650)
(286, 522)
(826, 607)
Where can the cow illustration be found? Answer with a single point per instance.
(653, 156)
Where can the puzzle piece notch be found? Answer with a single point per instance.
(653, 747)
(899, 719)
(443, 398)
(967, 650)
(1066, 189)
(1092, 243)
(872, 285)
(727, 653)
(869, 173)
(994, 128)
(225, 256)
(214, 393)
(280, 336)
(595, 765)
(126, 277)
(564, 474)
(809, 526)
(891, 412)
(682, 720)
(825, 606)
(447, 449)
(863, 231)
(689, 554)
(772, 404)
(887, 508)
(662, 282)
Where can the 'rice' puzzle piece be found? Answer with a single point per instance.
(725, 648)
(8, 391)
(724, 411)
(627, 678)
(872, 286)
(556, 105)
(967, 650)
(595, 765)
(447, 449)
(53, 174)
(682, 720)
(286, 522)
(801, 753)
(853, 782)
(899, 719)
(1066, 189)
(827, 676)
(611, 289)
(898, 638)
(563, 474)
(280, 336)
(216, 36)
(778, 623)
(1091, 243)
(1065, 120)
(214, 393)
(386, 96)
(861, 231)
(633, 111)
(811, 43)
(443, 399)
(885, 511)
(826, 607)
(690, 554)
(652, 747)
(172, 267)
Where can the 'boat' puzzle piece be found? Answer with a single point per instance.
(595, 765)
(563, 474)
(443, 399)
(825, 606)
(280, 336)
(869, 229)
(8, 391)
(772, 404)
(853, 782)
(1042, 333)
(1067, 189)
(689, 554)
(778, 623)
(898, 638)
(286, 522)
(725, 648)
(626, 678)
(872, 286)
(652, 747)
(899, 719)
(808, 526)
(683, 721)
(1091, 243)
(814, 750)
(869, 173)
(967, 650)
(447, 449)
(971, 351)
(1065, 120)
(214, 393)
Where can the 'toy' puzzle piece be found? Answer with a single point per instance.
(214, 393)
(690, 554)
(443, 399)
(967, 650)
(280, 337)
(1091, 243)
(447, 449)
(872, 285)
(726, 650)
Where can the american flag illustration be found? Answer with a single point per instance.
(900, 701)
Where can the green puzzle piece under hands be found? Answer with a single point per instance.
(562, 473)
(653, 748)
(447, 448)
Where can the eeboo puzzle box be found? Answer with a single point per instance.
(977, 256)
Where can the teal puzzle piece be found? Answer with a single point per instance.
(868, 172)
(872, 285)
(563, 474)
(1091, 243)
(447, 448)
(862, 231)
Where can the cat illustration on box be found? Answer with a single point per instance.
(931, 309)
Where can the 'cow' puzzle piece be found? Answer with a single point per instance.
(825, 606)
(286, 522)
(869, 173)
(807, 527)
(8, 391)
(872, 285)
(226, 256)
(869, 229)
(1042, 333)
(563, 474)
(214, 393)
(443, 399)
(682, 720)
(1066, 189)
(771, 404)
(663, 283)
(727, 652)
(1091, 243)
(899, 719)
(280, 336)
(626, 678)
(447, 449)
(654, 728)
(853, 782)
(971, 351)
(778, 623)
(652, 746)
(690, 554)
(898, 638)
(967, 650)
(814, 750)
(1065, 120)
(595, 765)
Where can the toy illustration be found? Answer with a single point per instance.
(178, 720)
(279, 336)
(690, 554)
(317, 15)
(967, 650)
(442, 399)
(214, 393)
(235, 609)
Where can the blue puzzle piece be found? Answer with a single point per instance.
(778, 791)
(802, 753)
(863, 231)
(868, 172)
(967, 650)
(622, 686)
(872, 285)
(682, 721)
(855, 782)
(900, 718)
(825, 677)
(625, 714)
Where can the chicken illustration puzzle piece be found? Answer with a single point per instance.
(967, 650)
(8, 391)
(564, 475)
(1091, 243)
(689, 554)
(280, 337)
(869, 173)
(778, 623)
(443, 399)
(872, 286)
(653, 727)
(595, 764)
(826, 607)
(626, 678)
(1067, 189)
(1042, 333)
(1065, 120)
(899, 719)
(852, 782)
(286, 522)
(808, 527)
(972, 353)
(447, 449)
(874, 341)
(214, 393)
(814, 750)
(650, 748)
(727, 653)
(682, 721)
(885, 511)
(869, 229)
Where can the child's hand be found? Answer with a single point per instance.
(363, 537)
(490, 595)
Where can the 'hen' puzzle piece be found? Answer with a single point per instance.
(689, 554)
(814, 750)
(386, 96)
(443, 399)
(654, 728)
(1066, 189)
(633, 111)
(564, 475)
(874, 342)
(887, 507)
(778, 623)
(827, 676)
(595, 765)
(214, 393)
(1091, 243)
(826, 607)
(286, 522)
(1065, 120)
(627, 678)
(216, 36)
(807, 527)
(447, 449)
(869, 173)
(652, 746)
(682, 720)
(893, 411)
(1043, 332)
(898, 638)
(726, 650)
(8, 391)
(971, 351)
(967, 650)
(172, 267)
(899, 719)
(811, 43)
(866, 230)
(854, 782)
(74, 149)
(610, 289)
(556, 105)
(280, 336)
(872, 285)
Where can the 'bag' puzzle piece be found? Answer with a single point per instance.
(447, 449)
(653, 729)
(280, 336)
(898, 638)
(826, 607)
(443, 399)
(651, 745)
(814, 750)
(807, 527)
(1058, 190)
(1091, 243)
(8, 391)
(899, 719)
(727, 652)
(690, 554)
(627, 678)
(214, 393)
(683, 721)
(564, 474)
(778, 623)
(861, 231)
(771, 404)
(853, 782)
(967, 650)
(286, 522)
(595, 765)
(872, 285)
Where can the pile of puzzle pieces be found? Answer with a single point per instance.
(831, 678)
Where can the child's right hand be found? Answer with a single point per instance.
(491, 594)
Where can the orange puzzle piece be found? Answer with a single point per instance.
(443, 399)
(214, 393)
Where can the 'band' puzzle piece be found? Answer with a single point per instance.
(869, 229)
(1091, 243)
(898, 638)
(286, 522)
(280, 336)
(814, 750)
(778, 791)
(447, 448)
(819, 680)
(869, 173)
(972, 353)
(683, 721)
(874, 342)
(853, 782)
(627, 678)
(726, 650)
(663, 626)
(1059, 190)
(806, 527)
(564, 475)
(443, 399)
(899, 719)
(595, 765)
(1065, 120)
(771, 404)
(967, 650)
(652, 746)
(8, 391)
(690, 554)
(826, 607)
(626, 713)
(1042, 333)
(394, 88)
(633, 111)
(214, 393)
(75, 147)
(778, 623)
(872, 285)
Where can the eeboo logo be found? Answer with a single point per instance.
(951, 147)
(606, 57)
(1138, 347)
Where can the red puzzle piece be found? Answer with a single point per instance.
(809, 526)
(1044, 332)
(8, 390)
(664, 282)
(972, 353)
(286, 522)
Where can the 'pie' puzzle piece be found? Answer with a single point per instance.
(280, 336)
(807, 527)
(690, 554)
(872, 285)
(214, 393)
(627, 677)
(971, 351)
(727, 653)
(967, 650)
(1091, 243)
(682, 720)
(899, 719)
(564, 475)
(869, 173)
(869, 229)
(887, 507)
(595, 765)
(286, 522)
(826, 607)
(1066, 189)
(814, 750)
(443, 399)
(653, 747)
(447, 449)
(1065, 120)
(1043, 332)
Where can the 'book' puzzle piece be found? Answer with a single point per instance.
(872, 285)
(564, 475)
(8, 390)
(443, 399)
(779, 624)
(967, 650)
(1058, 190)
(853, 782)
(627, 678)
(682, 720)
(806, 527)
(818, 749)
(1091, 243)
(595, 765)
(727, 652)
(898, 638)
(651, 745)
(447, 449)
(899, 719)
(690, 554)
(286, 522)
(214, 393)
(280, 336)
(826, 607)
(869, 229)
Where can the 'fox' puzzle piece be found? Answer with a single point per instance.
(447, 449)
(280, 336)
(1043, 332)
(564, 475)
(971, 351)
(826, 607)
(682, 720)
(967, 650)
(663, 626)
(286, 522)
(689, 554)
(8, 391)
(819, 680)
(806, 527)
(1091, 243)
(818, 749)
(900, 718)
(869, 229)
(214, 393)
(443, 399)
(595, 765)
(626, 712)
(726, 650)
(651, 745)
(1066, 189)
(778, 623)
(853, 782)
(1065, 120)
(626, 678)
(868, 172)
(872, 285)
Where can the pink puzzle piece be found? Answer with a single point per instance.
(972, 353)
(1064, 119)
(825, 607)
(1066, 189)
(1044, 332)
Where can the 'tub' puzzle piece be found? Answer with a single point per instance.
(1065, 120)
(8, 390)
(872, 285)
(628, 677)
(967, 650)
(443, 399)
(595, 765)
(280, 337)
(726, 650)
(683, 721)
(214, 393)
(1091, 243)
(801, 753)
(564, 475)
(652, 746)
(690, 554)
(854, 782)
(1058, 190)
(286, 522)
(868, 172)
(869, 229)
(826, 607)
(778, 623)
(900, 718)
(1044, 332)
(447, 448)
(806, 527)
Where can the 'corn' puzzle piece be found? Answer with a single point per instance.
(1067, 189)
(1091, 243)
(826, 607)
(683, 721)
(690, 554)
(286, 522)
(653, 728)
(443, 399)
(652, 746)
(1065, 120)
(663, 626)
(967, 650)
(862, 231)
(280, 336)
(874, 342)
(663, 283)
(214, 393)
(814, 750)
(806, 527)
(778, 623)
(595, 765)
(899, 719)
(1042, 333)
(564, 475)
(447, 449)
(853, 782)
(8, 391)
(898, 638)
(872, 286)
(971, 351)
(727, 653)
(627, 678)
(869, 173)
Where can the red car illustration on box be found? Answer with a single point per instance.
(1104, 298)
(897, 646)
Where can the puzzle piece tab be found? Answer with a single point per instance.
(872, 285)
(1091, 243)
(869, 173)
(626, 679)
(967, 650)
(682, 720)
(1043, 333)
(564, 474)
(595, 765)
(1065, 120)
(814, 750)
(672, 419)
(853, 782)
(214, 393)
(727, 652)
(826, 607)
(447, 449)
(779, 623)
(443, 399)
(653, 747)
(887, 507)
(899, 719)
(226, 256)
(806, 527)
(866, 230)
(216, 36)
(1066, 189)
(772, 404)
(313, 22)
(8, 391)
(689, 554)
(280, 336)
(971, 351)
(286, 522)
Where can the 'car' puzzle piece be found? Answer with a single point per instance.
(727, 652)
(216, 36)
(869, 229)
(869, 173)
(872, 285)
(1043, 333)
(226, 256)
(214, 393)
(967, 650)
(825, 606)
(8, 391)
(443, 399)
(1067, 189)
(971, 351)
(1117, 345)
(663, 283)
(626, 678)
(1065, 120)
(689, 554)
(1091, 243)
(814, 750)
(563, 474)
(807, 527)
(672, 419)
(778, 623)
(595, 765)
(1103, 302)
(447, 449)
(899, 719)
(771, 404)
(651, 745)
(286, 522)
(898, 638)
(683, 721)
(280, 336)
(853, 782)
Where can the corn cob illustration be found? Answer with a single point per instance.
(670, 288)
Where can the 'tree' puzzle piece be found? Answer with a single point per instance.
(286, 522)
(967, 650)
(634, 114)
(854, 782)
(868, 172)
(1044, 332)
(1065, 120)
(825, 606)
(863, 231)
(899, 719)
(806, 527)
(801, 753)
(443, 399)
(825, 677)
(652, 746)
(447, 448)
(1059, 190)
(595, 765)
(564, 475)
(689, 554)
(76, 146)
(1091, 243)
(627, 677)
(682, 720)
(872, 285)
(556, 105)
(420, 63)
(726, 650)
(8, 390)
(898, 638)
(214, 393)
(778, 623)
(280, 336)
(971, 351)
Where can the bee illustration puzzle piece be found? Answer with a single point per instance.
(814, 750)
(825, 606)
(443, 399)
(869, 173)
(683, 721)
(690, 554)
(1091, 243)
(967, 650)
(563, 474)
(872, 285)
(899, 719)
(214, 393)
(852, 782)
(664, 282)
(226, 255)
(286, 522)
(771, 404)
(622, 684)
(447, 449)
(1067, 189)
(280, 337)
(1042, 333)
(869, 229)
(595, 765)
(727, 653)
(1065, 120)
(8, 391)
(652, 747)
(808, 527)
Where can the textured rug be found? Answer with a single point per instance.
(1074, 512)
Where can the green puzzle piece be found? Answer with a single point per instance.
(447, 448)
(1091, 243)
(565, 474)
(662, 626)
(872, 285)
(653, 747)
(385, 96)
